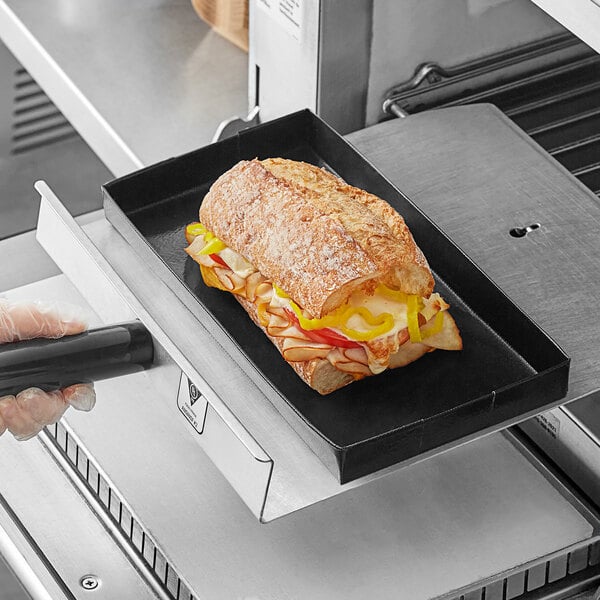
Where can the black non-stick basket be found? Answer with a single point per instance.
(509, 368)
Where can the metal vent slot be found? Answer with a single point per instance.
(580, 153)
(512, 94)
(124, 524)
(575, 570)
(567, 131)
(566, 572)
(558, 107)
(560, 111)
(36, 120)
(590, 176)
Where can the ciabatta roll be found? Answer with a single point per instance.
(330, 272)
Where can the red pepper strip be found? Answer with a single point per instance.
(219, 260)
(323, 336)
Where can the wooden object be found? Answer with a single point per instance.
(229, 18)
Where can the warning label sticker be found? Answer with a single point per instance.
(549, 423)
(287, 13)
(191, 403)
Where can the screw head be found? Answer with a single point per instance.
(89, 582)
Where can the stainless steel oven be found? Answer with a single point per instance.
(185, 482)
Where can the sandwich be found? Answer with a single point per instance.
(329, 272)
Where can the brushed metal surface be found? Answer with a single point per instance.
(140, 69)
(316, 68)
(8, 66)
(34, 580)
(237, 454)
(323, 71)
(413, 535)
(274, 471)
(570, 436)
(49, 535)
(216, 504)
(477, 176)
(410, 33)
(10, 585)
(582, 17)
(24, 261)
(419, 530)
(282, 65)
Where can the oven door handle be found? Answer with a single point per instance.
(51, 364)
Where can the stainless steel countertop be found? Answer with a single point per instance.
(141, 81)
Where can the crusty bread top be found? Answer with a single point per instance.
(377, 227)
(316, 237)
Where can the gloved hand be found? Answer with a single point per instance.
(27, 413)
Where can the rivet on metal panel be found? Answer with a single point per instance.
(89, 582)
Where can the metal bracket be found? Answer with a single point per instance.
(233, 125)
(433, 73)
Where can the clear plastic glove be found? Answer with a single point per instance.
(25, 414)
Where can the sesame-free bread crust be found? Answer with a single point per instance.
(316, 237)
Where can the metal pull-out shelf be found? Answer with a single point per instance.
(267, 463)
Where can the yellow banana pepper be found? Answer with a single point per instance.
(279, 291)
(309, 324)
(396, 295)
(213, 246)
(381, 324)
(339, 319)
(412, 317)
(195, 229)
